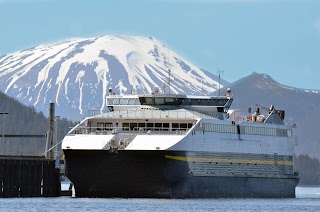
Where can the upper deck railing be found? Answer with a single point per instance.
(152, 114)
(127, 131)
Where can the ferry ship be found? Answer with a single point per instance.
(181, 146)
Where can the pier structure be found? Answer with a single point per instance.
(28, 177)
(31, 176)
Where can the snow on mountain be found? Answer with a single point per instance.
(76, 74)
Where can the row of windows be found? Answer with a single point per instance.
(265, 131)
(222, 128)
(181, 101)
(259, 131)
(166, 101)
(206, 102)
(104, 126)
(156, 126)
(145, 126)
(123, 101)
(160, 101)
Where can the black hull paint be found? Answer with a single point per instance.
(148, 174)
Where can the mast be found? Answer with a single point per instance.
(169, 73)
(219, 85)
(202, 86)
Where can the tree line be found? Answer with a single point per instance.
(25, 120)
(308, 169)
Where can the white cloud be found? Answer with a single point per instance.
(316, 25)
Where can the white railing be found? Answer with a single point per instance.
(127, 130)
(149, 114)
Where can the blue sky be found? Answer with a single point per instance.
(277, 37)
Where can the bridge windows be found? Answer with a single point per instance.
(156, 126)
(123, 101)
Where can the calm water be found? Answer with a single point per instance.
(308, 199)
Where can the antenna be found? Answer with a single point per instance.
(169, 71)
(202, 86)
(169, 79)
(164, 88)
(219, 85)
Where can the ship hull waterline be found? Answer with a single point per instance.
(151, 174)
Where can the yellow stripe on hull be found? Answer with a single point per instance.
(221, 160)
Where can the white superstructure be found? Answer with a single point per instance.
(183, 123)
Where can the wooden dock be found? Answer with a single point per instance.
(28, 177)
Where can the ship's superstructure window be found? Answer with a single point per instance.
(104, 126)
(125, 126)
(123, 101)
(175, 126)
(150, 126)
(205, 102)
(160, 101)
(109, 101)
(156, 126)
(265, 131)
(100, 126)
(223, 128)
(133, 126)
(165, 126)
(131, 101)
(141, 125)
(181, 126)
(148, 101)
(116, 101)
(184, 125)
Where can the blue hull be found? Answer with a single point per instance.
(149, 174)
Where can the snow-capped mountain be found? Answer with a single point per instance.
(76, 74)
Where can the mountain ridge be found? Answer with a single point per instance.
(300, 105)
(260, 77)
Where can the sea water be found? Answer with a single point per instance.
(307, 199)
